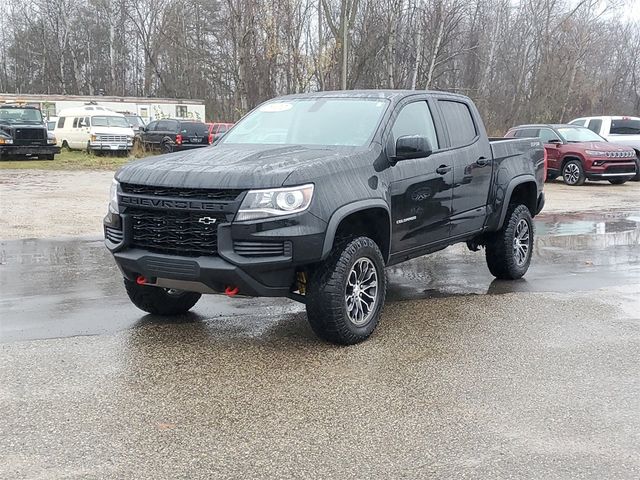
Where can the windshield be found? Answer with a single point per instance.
(579, 134)
(135, 121)
(625, 126)
(20, 115)
(313, 121)
(110, 122)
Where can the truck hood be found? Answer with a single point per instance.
(227, 166)
(632, 141)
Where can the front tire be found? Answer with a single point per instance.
(160, 301)
(573, 173)
(508, 251)
(347, 292)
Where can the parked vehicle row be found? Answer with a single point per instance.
(578, 154)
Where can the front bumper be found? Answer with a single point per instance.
(30, 150)
(263, 276)
(113, 147)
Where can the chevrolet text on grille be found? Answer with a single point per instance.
(171, 204)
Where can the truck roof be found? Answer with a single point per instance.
(386, 94)
(17, 105)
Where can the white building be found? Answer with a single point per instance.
(148, 108)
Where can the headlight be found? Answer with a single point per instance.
(275, 202)
(51, 140)
(94, 138)
(6, 141)
(113, 197)
(596, 153)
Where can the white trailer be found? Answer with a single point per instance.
(147, 108)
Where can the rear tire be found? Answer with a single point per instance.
(346, 293)
(166, 148)
(573, 173)
(160, 301)
(618, 181)
(508, 251)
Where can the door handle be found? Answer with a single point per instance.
(443, 169)
(482, 162)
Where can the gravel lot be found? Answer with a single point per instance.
(41, 204)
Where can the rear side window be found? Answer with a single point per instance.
(194, 128)
(457, 117)
(415, 119)
(546, 135)
(75, 122)
(594, 125)
(625, 126)
(165, 125)
(527, 133)
(61, 122)
(579, 121)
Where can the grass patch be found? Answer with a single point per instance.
(75, 160)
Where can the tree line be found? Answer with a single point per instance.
(521, 61)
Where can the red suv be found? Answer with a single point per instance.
(578, 154)
(216, 130)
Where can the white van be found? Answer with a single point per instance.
(94, 128)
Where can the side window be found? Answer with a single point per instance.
(61, 122)
(163, 125)
(546, 135)
(579, 121)
(415, 119)
(87, 122)
(75, 122)
(595, 125)
(462, 130)
(527, 133)
(152, 126)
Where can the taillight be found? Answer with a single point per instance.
(545, 163)
(210, 138)
(178, 139)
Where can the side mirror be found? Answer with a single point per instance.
(412, 146)
(556, 141)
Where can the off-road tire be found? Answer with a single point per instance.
(500, 252)
(158, 301)
(618, 181)
(568, 178)
(327, 290)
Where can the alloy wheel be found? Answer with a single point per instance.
(361, 295)
(521, 243)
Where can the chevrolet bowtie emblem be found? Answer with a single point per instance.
(207, 220)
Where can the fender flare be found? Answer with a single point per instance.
(346, 210)
(519, 180)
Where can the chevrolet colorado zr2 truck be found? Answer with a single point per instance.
(310, 196)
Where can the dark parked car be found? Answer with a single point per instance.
(170, 135)
(578, 154)
(310, 197)
(23, 134)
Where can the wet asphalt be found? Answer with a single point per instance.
(466, 376)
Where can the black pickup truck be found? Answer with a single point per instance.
(23, 133)
(310, 196)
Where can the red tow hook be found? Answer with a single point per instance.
(140, 280)
(231, 291)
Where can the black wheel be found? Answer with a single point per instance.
(551, 176)
(160, 301)
(508, 251)
(166, 148)
(618, 181)
(65, 145)
(573, 173)
(637, 176)
(346, 293)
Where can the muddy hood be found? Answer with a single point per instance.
(232, 166)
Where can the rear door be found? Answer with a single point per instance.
(421, 188)
(147, 135)
(470, 152)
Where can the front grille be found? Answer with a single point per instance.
(174, 232)
(113, 234)
(199, 193)
(262, 249)
(111, 138)
(30, 136)
(621, 169)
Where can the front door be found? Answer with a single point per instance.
(554, 154)
(421, 188)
